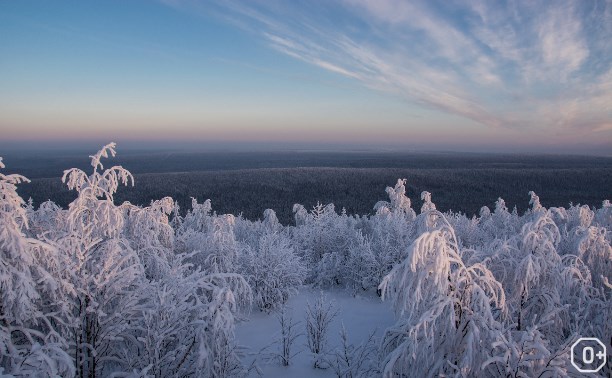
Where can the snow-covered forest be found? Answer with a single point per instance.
(101, 289)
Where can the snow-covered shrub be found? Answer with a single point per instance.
(318, 320)
(363, 268)
(579, 216)
(46, 222)
(248, 233)
(500, 224)
(151, 235)
(526, 354)
(603, 216)
(534, 291)
(273, 270)
(467, 230)
(593, 247)
(428, 205)
(287, 337)
(270, 221)
(198, 218)
(354, 361)
(323, 238)
(170, 339)
(398, 203)
(208, 238)
(386, 236)
(185, 324)
(429, 218)
(517, 289)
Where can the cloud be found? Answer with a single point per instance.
(603, 127)
(563, 46)
(519, 65)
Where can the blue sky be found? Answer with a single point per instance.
(473, 75)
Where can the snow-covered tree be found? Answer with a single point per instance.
(449, 311)
(323, 239)
(386, 235)
(175, 320)
(273, 270)
(151, 235)
(364, 269)
(398, 201)
(31, 343)
(185, 324)
(209, 238)
(603, 216)
(106, 271)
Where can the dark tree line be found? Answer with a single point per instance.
(252, 191)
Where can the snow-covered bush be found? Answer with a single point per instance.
(398, 203)
(500, 224)
(319, 316)
(364, 269)
(355, 361)
(526, 354)
(151, 235)
(593, 247)
(186, 324)
(467, 230)
(323, 238)
(208, 238)
(377, 243)
(273, 270)
(287, 337)
(603, 216)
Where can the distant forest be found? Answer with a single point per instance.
(249, 183)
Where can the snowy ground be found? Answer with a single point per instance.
(360, 315)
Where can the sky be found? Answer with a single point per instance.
(532, 76)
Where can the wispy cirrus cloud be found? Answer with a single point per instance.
(518, 65)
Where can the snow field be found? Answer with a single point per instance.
(360, 315)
